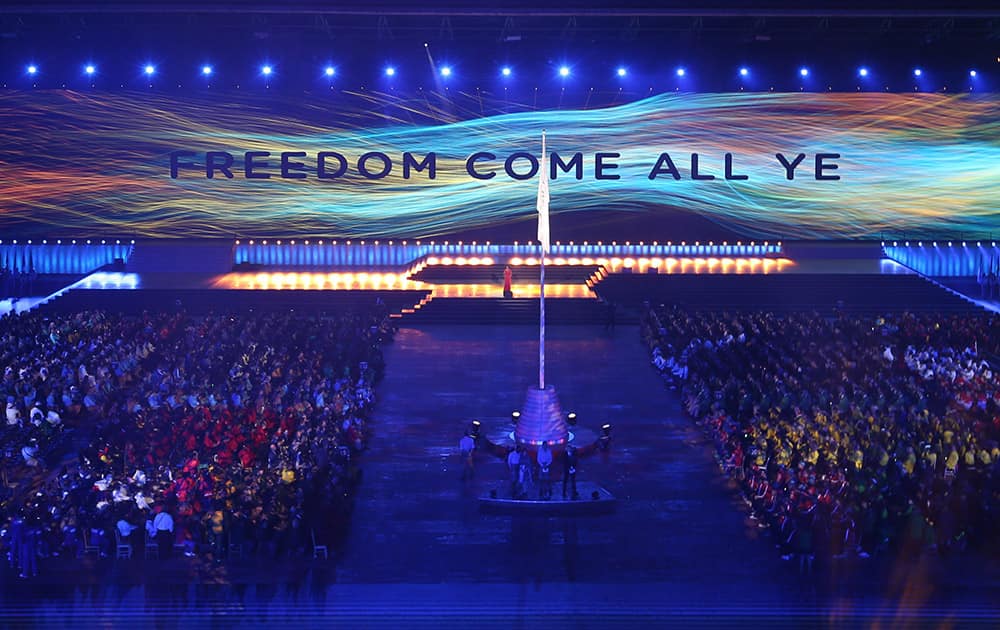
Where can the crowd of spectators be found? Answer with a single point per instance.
(848, 435)
(215, 436)
(57, 370)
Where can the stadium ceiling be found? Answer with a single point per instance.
(538, 8)
(359, 35)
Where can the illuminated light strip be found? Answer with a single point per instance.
(316, 280)
(373, 281)
(700, 265)
(519, 290)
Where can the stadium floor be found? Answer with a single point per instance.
(679, 548)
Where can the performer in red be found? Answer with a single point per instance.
(507, 275)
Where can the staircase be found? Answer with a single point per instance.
(437, 309)
(202, 301)
(501, 311)
(493, 274)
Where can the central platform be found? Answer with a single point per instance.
(594, 501)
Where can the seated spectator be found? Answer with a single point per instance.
(884, 430)
(252, 415)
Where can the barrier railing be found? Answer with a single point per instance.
(945, 258)
(62, 255)
(325, 253)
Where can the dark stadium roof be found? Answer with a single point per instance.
(711, 38)
(525, 7)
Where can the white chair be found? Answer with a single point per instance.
(87, 546)
(318, 550)
(122, 550)
(152, 549)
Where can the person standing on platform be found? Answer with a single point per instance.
(514, 468)
(125, 529)
(467, 447)
(29, 549)
(163, 523)
(610, 317)
(16, 539)
(569, 473)
(508, 276)
(527, 473)
(544, 471)
(215, 521)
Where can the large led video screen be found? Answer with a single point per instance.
(374, 165)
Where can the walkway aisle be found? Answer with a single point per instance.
(676, 529)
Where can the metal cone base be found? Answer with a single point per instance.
(541, 419)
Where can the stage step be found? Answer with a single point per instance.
(493, 274)
(969, 287)
(508, 311)
(200, 301)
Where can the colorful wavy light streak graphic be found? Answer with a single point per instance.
(98, 163)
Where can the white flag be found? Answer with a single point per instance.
(543, 200)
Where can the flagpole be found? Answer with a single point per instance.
(541, 324)
(542, 420)
(541, 287)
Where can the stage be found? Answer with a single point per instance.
(453, 283)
